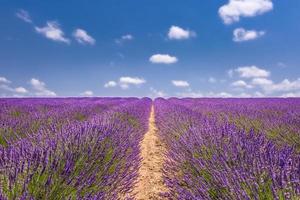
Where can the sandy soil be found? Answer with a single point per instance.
(150, 182)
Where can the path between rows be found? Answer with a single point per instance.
(150, 182)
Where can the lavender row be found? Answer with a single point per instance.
(278, 118)
(25, 117)
(94, 159)
(212, 159)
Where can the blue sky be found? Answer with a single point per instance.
(194, 48)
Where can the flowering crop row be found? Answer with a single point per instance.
(82, 149)
(210, 157)
(27, 117)
(278, 118)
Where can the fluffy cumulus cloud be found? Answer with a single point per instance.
(127, 37)
(5, 85)
(110, 84)
(4, 80)
(241, 84)
(157, 93)
(83, 37)
(124, 38)
(40, 88)
(261, 81)
(53, 32)
(163, 59)
(243, 95)
(291, 94)
(6, 88)
(235, 95)
(251, 72)
(270, 87)
(87, 93)
(180, 83)
(21, 90)
(125, 82)
(219, 95)
(284, 86)
(258, 94)
(177, 33)
(287, 85)
(24, 16)
(223, 95)
(242, 35)
(235, 9)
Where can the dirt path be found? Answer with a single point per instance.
(150, 182)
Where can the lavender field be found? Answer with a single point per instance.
(94, 148)
(150, 100)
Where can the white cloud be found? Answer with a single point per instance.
(21, 90)
(243, 95)
(53, 32)
(180, 83)
(291, 94)
(157, 93)
(124, 86)
(234, 9)
(127, 37)
(131, 80)
(37, 84)
(252, 72)
(87, 93)
(220, 94)
(110, 84)
(241, 35)
(24, 16)
(40, 88)
(163, 59)
(212, 80)
(5, 86)
(177, 33)
(124, 38)
(270, 87)
(284, 86)
(4, 80)
(261, 81)
(83, 37)
(125, 82)
(223, 94)
(190, 94)
(258, 94)
(241, 84)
